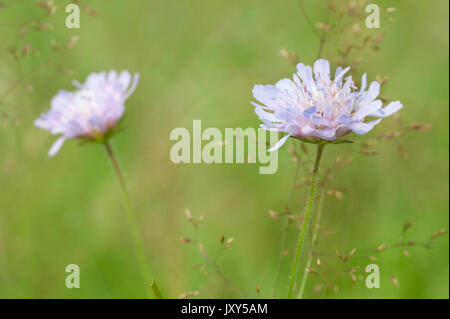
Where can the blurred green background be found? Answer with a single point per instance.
(200, 60)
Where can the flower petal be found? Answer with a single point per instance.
(363, 128)
(363, 82)
(279, 143)
(344, 119)
(367, 110)
(267, 94)
(390, 109)
(265, 116)
(339, 74)
(322, 70)
(320, 121)
(328, 134)
(305, 74)
(56, 146)
(374, 90)
(309, 112)
(124, 77)
(112, 76)
(287, 86)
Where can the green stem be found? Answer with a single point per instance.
(313, 240)
(284, 230)
(304, 229)
(149, 281)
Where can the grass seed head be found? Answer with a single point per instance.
(439, 233)
(185, 240)
(380, 248)
(395, 281)
(188, 294)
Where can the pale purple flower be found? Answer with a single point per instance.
(92, 111)
(314, 108)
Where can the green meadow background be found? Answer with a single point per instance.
(200, 60)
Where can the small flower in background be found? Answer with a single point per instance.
(92, 111)
(318, 109)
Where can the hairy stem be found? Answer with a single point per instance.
(304, 229)
(150, 284)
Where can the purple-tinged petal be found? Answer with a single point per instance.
(326, 134)
(320, 121)
(344, 119)
(309, 112)
(92, 110)
(390, 109)
(312, 107)
(267, 94)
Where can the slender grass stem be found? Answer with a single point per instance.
(304, 229)
(313, 240)
(323, 36)
(150, 284)
(284, 230)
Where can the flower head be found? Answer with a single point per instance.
(92, 111)
(314, 108)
